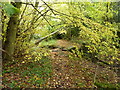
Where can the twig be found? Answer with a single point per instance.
(22, 14)
(48, 22)
(41, 16)
(48, 7)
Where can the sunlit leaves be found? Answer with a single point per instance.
(100, 42)
(100, 38)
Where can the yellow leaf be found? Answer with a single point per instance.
(23, 61)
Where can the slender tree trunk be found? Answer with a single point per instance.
(1, 46)
(107, 11)
(119, 12)
(118, 33)
(11, 33)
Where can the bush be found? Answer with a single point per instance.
(100, 41)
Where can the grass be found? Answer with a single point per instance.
(47, 43)
(107, 85)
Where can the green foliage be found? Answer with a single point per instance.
(101, 42)
(98, 39)
(106, 85)
(75, 53)
(40, 73)
(34, 54)
(47, 43)
(9, 9)
(81, 85)
(72, 32)
(29, 52)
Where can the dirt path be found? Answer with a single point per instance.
(61, 70)
(68, 73)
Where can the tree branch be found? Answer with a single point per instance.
(48, 7)
(22, 14)
(37, 42)
(7, 53)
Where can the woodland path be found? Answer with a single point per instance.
(67, 72)
(70, 73)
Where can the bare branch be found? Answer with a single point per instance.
(48, 7)
(48, 22)
(41, 15)
(22, 14)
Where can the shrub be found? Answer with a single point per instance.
(101, 41)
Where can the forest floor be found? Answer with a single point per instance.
(66, 72)
(76, 73)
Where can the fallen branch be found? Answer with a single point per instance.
(48, 35)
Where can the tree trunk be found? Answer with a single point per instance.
(118, 33)
(119, 13)
(0, 45)
(11, 33)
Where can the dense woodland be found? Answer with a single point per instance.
(60, 44)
